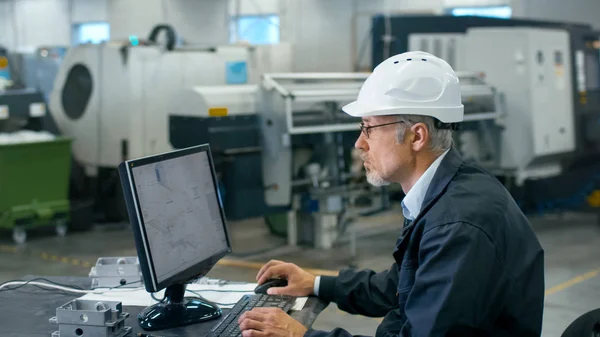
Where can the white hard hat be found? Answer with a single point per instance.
(412, 83)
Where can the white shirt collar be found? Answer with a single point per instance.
(413, 201)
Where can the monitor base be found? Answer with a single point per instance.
(184, 311)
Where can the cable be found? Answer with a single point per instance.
(171, 35)
(57, 287)
(223, 291)
(156, 299)
(2, 285)
(197, 294)
(126, 284)
(50, 285)
(209, 281)
(20, 284)
(7, 286)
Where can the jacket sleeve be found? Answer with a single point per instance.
(337, 332)
(458, 279)
(387, 328)
(362, 292)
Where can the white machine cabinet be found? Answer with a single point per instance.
(114, 100)
(531, 68)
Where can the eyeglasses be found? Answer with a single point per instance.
(365, 129)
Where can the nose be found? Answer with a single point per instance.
(361, 142)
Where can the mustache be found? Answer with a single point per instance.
(359, 154)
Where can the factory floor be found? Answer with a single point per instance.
(571, 242)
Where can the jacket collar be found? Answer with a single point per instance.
(444, 174)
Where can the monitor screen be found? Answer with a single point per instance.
(180, 212)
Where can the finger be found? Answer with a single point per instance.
(250, 324)
(277, 270)
(265, 312)
(253, 333)
(287, 290)
(253, 315)
(267, 266)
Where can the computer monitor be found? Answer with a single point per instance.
(179, 229)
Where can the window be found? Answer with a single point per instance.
(91, 32)
(255, 29)
(502, 12)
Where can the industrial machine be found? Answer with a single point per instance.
(32, 69)
(27, 79)
(285, 147)
(20, 107)
(528, 66)
(547, 75)
(112, 100)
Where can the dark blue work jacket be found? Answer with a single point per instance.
(468, 265)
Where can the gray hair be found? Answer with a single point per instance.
(441, 139)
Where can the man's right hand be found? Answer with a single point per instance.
(300, 282)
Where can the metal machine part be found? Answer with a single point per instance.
(122, 272)
(91, 318)
(288, 109)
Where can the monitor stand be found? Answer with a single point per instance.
(177, 310)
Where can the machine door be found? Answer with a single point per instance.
(551, 92)
(75, 102)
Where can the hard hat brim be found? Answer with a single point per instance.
(444, 114)
(357, 109)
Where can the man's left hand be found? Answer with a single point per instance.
(269, 322)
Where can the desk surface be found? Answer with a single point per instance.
(25, 311)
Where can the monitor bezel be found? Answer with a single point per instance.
(147, 267)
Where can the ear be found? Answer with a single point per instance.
(420, 137)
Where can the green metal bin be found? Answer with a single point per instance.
(34, 186)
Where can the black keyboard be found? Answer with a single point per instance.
(228, 326)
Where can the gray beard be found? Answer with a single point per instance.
(376, 180)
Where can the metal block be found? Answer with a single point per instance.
(121, 272)
(90, 318)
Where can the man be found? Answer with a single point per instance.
(467, 262)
